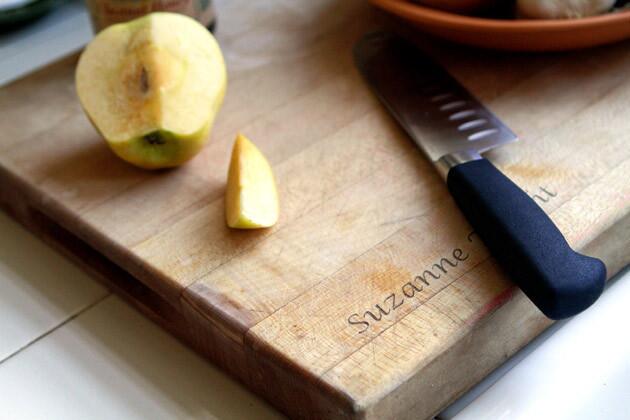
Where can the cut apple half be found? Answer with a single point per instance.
(152, 87)
(251, 199)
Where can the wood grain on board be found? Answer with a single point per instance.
(371, 297)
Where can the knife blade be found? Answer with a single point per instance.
(452, 128)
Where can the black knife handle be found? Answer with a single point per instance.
(560, 281)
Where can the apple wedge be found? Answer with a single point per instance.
(152, 87)
(251, 199)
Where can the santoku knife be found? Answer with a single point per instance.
(452, 128)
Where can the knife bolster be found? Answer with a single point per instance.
(446, 162)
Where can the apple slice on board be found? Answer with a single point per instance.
(152, 87)
(251, 199)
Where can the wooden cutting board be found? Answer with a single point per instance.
(371, 298)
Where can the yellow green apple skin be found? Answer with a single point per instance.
(251, 198)
(152, 88)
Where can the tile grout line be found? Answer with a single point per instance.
(56, 327)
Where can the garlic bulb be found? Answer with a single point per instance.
(561, 9)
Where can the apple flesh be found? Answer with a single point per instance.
(251, 198)
(152, 87)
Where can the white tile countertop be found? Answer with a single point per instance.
(69, 349)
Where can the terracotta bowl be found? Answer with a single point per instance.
(514, 35)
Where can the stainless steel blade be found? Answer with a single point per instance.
(439, 114)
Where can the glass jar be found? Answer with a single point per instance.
(108, 12)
